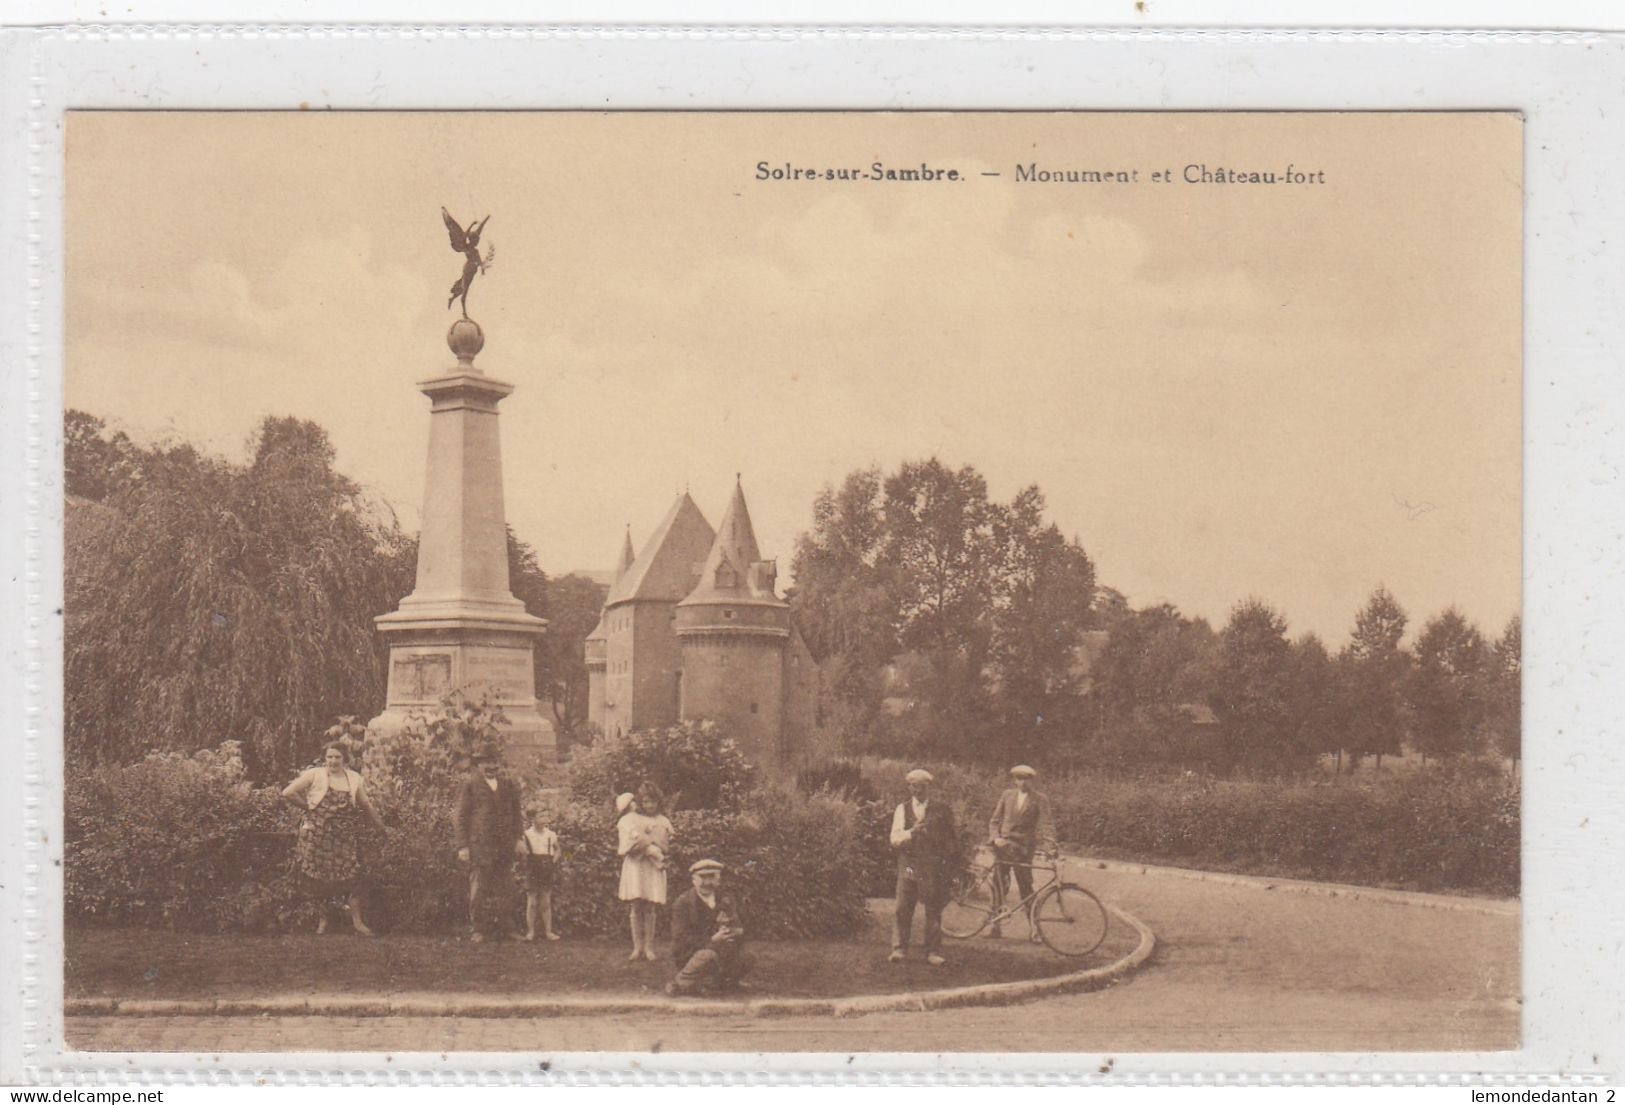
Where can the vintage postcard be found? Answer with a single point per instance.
(934, 582)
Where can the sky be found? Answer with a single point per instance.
(1293, 391)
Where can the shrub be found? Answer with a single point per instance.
(697, 764)
(789, 862)
(842, 777)
(1438, 829)
(176, 840)
(188, 842)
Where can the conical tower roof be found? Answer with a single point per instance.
(600, 632)
(727, 577)
(665, 567)
(627, 556)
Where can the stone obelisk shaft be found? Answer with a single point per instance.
(461, 629)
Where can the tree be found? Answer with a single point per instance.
(1156, 665)
(220, 601)
(95, 462)
(1447, 686)
(1252, 692)
(1042, 606)
(1312, 692)
(1503, 720)
(570, 606)
(982, 603)
(1375, 709)
(941, 541)
(573, 605)
(843, 600)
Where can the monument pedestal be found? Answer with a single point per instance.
(462, 630)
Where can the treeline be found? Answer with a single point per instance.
(1276, 704)
(209, 600)
(952, 624)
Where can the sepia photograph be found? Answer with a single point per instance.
(748, 581)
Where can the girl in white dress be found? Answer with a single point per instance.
(645, 838)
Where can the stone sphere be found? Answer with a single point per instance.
(465, 339)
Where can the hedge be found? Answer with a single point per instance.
(1446, 829)
(187, 842)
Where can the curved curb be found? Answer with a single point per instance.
(993, 993)
(1453, 903)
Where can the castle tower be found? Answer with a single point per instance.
(734, 630)
(642, 663)
(461, 628)
(597, 643)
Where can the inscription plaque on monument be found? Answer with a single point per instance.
(421, 677)
(510, 673)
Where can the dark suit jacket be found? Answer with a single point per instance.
(932, 854)
(489, 822)
(693, 923)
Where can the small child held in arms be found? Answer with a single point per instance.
(539, 851)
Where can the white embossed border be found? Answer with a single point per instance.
(1565, 83)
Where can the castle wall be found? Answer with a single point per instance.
(738, 682)
(616, 701)
(657, 662)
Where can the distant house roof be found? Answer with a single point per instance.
(668, 566)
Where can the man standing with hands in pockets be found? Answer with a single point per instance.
(927, 847)
(489, 825)
(1021, 826)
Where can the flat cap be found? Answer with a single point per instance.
(1022, 771)
(704, 865)
(918, 775)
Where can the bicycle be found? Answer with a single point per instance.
(1065, 916)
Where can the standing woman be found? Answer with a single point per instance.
(328, 853)
(645, 837)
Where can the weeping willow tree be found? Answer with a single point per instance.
(208, 600)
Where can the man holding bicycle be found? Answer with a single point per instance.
(1021, 826)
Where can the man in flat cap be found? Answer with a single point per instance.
(928, 857)
(707, 937)
(1021, 826)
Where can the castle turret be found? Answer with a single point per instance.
(734, 629)
(638, 656)
(596, 647)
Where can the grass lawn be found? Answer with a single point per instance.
(153, 963)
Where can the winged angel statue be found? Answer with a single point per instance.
(466, 240)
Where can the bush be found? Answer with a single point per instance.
(175, 840)
(1440, 829)
(789, 862)
(188, 842)
(695, 763)
(842, 777)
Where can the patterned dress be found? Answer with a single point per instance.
(328, 854)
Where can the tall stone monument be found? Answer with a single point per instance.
(461, 629)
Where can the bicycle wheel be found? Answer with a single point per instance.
(1070, 919)
(971, 905)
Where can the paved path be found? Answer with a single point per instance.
(1238, 968)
